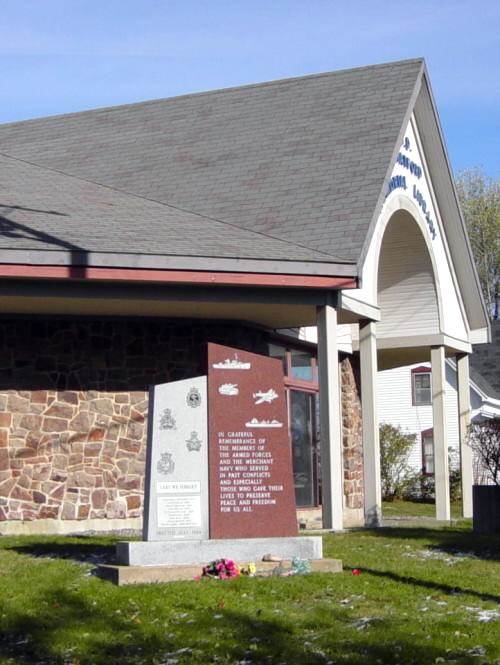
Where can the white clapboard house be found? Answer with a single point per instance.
(404, 399)
(404, 396)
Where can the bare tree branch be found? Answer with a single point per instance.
(484, 439)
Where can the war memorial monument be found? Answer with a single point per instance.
(219, 479)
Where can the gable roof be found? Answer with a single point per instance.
(302, 160)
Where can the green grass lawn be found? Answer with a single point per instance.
(418, 600)
(416, 509)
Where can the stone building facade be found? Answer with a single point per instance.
(352, 438)
(74, 404)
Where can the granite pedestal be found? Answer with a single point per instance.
(165, 553)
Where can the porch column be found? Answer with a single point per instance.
(371, 445)
(463, 393)
(332, 476)
(441, 478)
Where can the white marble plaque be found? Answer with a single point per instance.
(176, 502)
(179, 511)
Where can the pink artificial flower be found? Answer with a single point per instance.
(356, 571)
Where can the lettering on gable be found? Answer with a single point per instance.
(399, 181)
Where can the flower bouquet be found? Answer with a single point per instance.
(248, 569)
(221, 569)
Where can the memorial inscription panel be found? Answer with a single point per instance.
(176, 504)
(250, 464)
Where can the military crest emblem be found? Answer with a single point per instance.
(167, 420)
(194, 442)
(165, 464)
(193, 397)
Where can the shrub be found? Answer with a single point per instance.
(396, 474)
(427, 487)
(424, 487)
(455, 485)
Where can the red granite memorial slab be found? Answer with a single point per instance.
(250, 465)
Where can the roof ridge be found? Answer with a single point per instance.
(230, 89)
(331, 257)
(410, 107)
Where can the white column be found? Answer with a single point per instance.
(332, 476)
(441, 476)
(371, 445)
(463, 393)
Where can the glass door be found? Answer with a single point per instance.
(302, 431)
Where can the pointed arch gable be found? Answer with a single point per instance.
(410, 193)
(464, 317)
(406, 286)
(439, 172)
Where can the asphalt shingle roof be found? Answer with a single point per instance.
(41, 209)
(485, 363)
(302, 160)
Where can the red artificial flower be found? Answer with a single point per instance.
(356, 571)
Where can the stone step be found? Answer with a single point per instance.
(122, 575)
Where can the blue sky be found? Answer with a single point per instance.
(65, 55)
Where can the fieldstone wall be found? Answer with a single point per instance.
(73, 408)
(71, 454)
(352, 432)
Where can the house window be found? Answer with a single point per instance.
(421, 386)
(428, 452)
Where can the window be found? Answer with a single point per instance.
(301, 366)
(421, 386)
(301, 383)
(428, 452)
(280, 352)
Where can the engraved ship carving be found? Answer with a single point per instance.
(268, 396)
(232, 363)
(229, 389)
(263, 423)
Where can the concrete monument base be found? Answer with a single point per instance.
(184, 552)
(122, 575)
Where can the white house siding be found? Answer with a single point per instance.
(344, 336)
(394, 393)
(452, 311)
(395, 407)
(406, 276)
